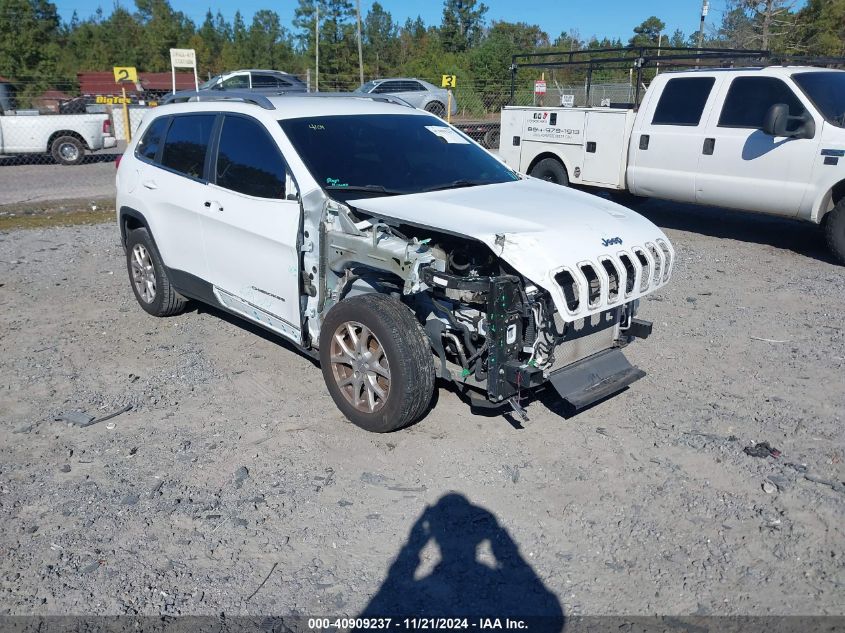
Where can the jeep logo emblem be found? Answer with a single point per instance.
(612, 241)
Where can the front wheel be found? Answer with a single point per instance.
(376, 362)
(551, 170)
(68, 150)
(834, 231)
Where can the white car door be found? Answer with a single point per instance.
(743, 167)
(173, 186)
(667, 140)
(251, 220)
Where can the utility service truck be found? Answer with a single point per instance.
(769, 139)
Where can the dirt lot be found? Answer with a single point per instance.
(234, 486)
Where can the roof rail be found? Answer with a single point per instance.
(226, 95)
(263, 101)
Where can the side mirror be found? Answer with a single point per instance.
(776, 120)
(777, 123)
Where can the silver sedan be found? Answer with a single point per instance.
(417, 92)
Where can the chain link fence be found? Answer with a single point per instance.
(72, 123)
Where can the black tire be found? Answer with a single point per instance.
(436, 108)
(67, 150)
(394, 330)
(552, 170)
(164, 300)
(834, 231)
(491, 138)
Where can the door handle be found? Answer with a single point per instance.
(644, 139)
(209, 203)
(150, 184)
(709, 146)
(591, 147)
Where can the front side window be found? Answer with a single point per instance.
(248, 160)
(827, 91)
(683, 101)
(186, 144)
(148, 146)
(390, 154)
(367, 87)
(749, 99)
(236, 82)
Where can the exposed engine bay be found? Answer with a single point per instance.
(492, 330)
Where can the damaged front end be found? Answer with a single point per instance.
(494, 331)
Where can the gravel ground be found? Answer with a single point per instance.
(234, 467)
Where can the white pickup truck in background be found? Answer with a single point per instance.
(66, 137)
(770, 140)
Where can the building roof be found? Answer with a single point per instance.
(103, 83)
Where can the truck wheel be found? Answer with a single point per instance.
(68, 150)
(834, 231)
(491, 138)
(552, 170)
(149, 277)
(376, 362)
(436, 108)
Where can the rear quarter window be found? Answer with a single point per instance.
(683, 101)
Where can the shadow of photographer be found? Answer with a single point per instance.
(468, 581)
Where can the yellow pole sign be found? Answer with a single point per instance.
(449, 81)
(125, 73)
(122, 74)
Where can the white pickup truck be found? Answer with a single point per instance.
(770, 140)
(66, 137)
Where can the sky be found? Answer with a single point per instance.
(611, 18)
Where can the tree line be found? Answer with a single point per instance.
(38, 50)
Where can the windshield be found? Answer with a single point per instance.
(390, 154)
(206, 85)
(366, 87)
(827, 91)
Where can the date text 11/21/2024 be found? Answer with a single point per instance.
(416, 624)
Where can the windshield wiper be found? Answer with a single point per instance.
(457, 184)
(367, 188)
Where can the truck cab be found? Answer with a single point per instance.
(702, 137)
(764, 139)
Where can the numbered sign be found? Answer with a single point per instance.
(449, 81)
(125, 73)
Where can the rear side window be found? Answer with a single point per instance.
(749, 98)
(187, 143)
(683, 101)
(248, 160)
(148, 146)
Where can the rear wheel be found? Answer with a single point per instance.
(834, 231)
(67, 150)
(491, 138)
(436, 108)
(551, 170)
(376, 362)
(148, 276)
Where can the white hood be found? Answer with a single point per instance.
(540, 229)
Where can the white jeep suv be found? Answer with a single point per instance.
(388, 245)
